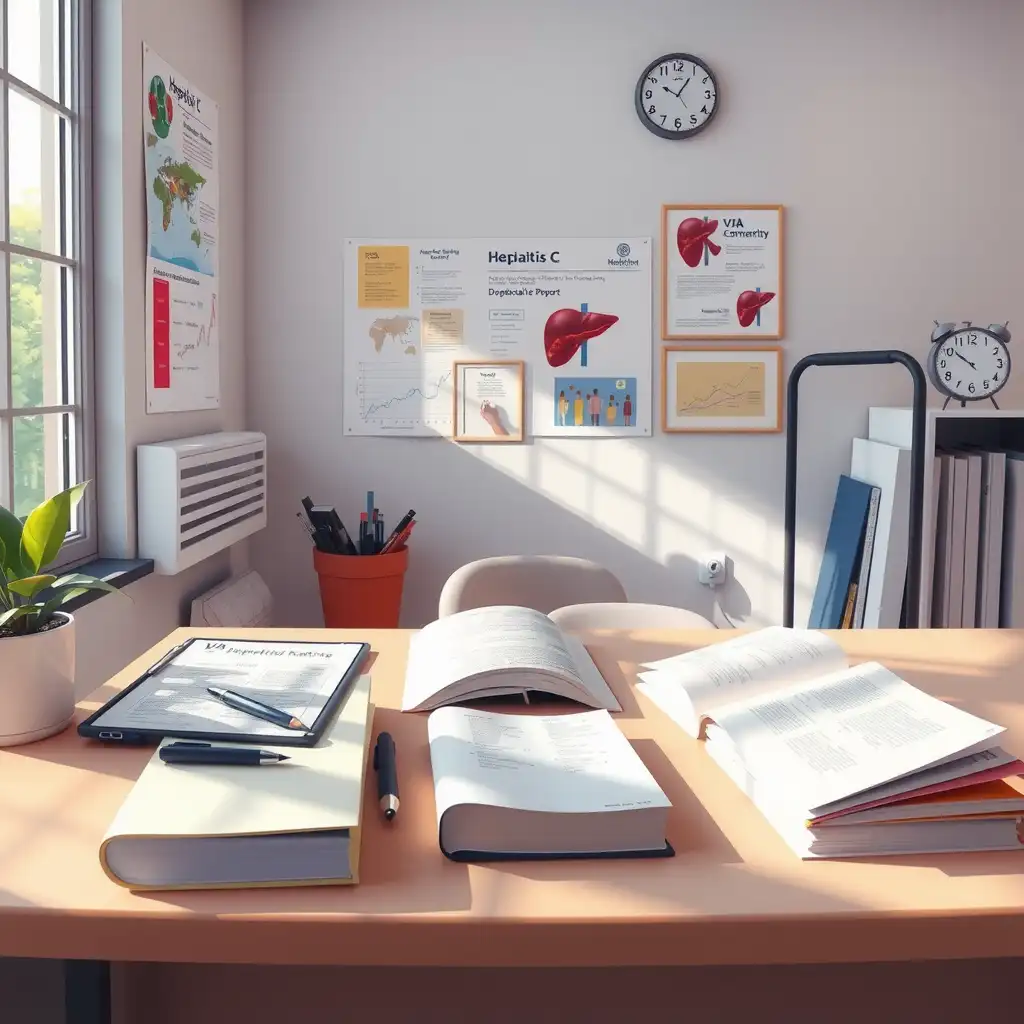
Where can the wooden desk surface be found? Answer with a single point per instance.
(733, 894)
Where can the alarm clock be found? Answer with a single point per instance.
(968, 363)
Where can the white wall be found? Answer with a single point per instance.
(111, 632)
(889, 131)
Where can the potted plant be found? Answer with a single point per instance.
(37, 639)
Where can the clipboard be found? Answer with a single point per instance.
(170, 699)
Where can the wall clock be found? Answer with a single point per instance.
(676, 96)
(969, 363)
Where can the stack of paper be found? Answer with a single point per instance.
(843, 761)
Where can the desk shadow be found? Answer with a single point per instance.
(957, 865)
(619, 658)
(69, 749)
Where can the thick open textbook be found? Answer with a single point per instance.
(499, 651)
(542, 786)
(816, 743)
(227, 826)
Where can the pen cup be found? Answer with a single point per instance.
(361, 592)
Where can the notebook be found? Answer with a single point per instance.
(533, 787)
(499, 651)
(231, 826)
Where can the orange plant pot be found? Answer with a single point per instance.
(361, 591)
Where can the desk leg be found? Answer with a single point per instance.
(86, 992)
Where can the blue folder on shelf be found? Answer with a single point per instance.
(841, 559)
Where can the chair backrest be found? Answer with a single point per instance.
(543, 582)
(606, 615)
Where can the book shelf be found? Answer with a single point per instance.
(944, 428)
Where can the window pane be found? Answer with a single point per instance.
(40, 335)
(33, 33)
(44, 459)
(38, 166)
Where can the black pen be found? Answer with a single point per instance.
(385, 763)
(255, 708)
(188, 752)
(397, 531)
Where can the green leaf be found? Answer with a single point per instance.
(47, 526)
(16, 613)
(29, 586)
(79, 579)
(11, 529)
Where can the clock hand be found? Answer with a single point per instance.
(685, 84)
(966, 360)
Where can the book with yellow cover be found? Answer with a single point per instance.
(232, 826)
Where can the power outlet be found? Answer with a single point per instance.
(712, 569)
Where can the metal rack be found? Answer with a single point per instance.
(865, 358)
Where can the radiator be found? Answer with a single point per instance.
(198, 495)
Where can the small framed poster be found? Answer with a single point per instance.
(721, 273)
(725, 390)
(489, 401)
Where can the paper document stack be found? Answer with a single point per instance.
(843, 761)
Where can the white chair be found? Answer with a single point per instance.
(543, 582)
(615, 615)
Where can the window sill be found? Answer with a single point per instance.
(118, 572)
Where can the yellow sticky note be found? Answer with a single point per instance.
(383, 277)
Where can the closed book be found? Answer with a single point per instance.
(234, 826)
(886, 467)
(866, 556)
(840, 560)
(532, 787)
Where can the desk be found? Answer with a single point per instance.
(734, 894)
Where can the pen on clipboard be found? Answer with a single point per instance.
(255, 708)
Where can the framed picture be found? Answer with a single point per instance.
(489, 403)
(721, 273)
(725, 390)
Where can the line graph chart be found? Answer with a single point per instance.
(405, 396)
(190, 318)
(720, 389)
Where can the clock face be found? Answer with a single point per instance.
(676, 96)
(969, 364)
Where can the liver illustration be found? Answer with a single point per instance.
(691, 237)
(567, 329)
(749, 303)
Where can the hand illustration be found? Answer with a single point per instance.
(492, 416)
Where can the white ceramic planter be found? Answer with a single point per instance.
(37, 684)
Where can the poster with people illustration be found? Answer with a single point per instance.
(595, 402)
(721, 273)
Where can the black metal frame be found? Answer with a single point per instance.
(865, 358)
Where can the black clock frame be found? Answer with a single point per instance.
(933, 371)
(668, 133)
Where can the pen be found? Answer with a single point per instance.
(397, 531)
(386, 765)
(378, 533)
(365, 535)
(187, 752)
(255, 708)
(396, 542)
(307, 527)
(369, 506)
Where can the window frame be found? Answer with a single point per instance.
(82, 544)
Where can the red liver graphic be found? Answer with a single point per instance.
(691, 237)
(567, 329)
(749, 303)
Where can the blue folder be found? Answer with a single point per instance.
(840, 562)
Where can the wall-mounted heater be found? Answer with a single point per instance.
(198, 495)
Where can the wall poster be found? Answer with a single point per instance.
(181, 141)
(575, 311)
(722, 273)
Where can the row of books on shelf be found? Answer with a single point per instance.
(976, 547)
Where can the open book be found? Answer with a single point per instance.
(499, 651)
(812, 741)
(526, 787)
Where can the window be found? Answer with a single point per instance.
(45, 413)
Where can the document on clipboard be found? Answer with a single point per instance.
(307, 680)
